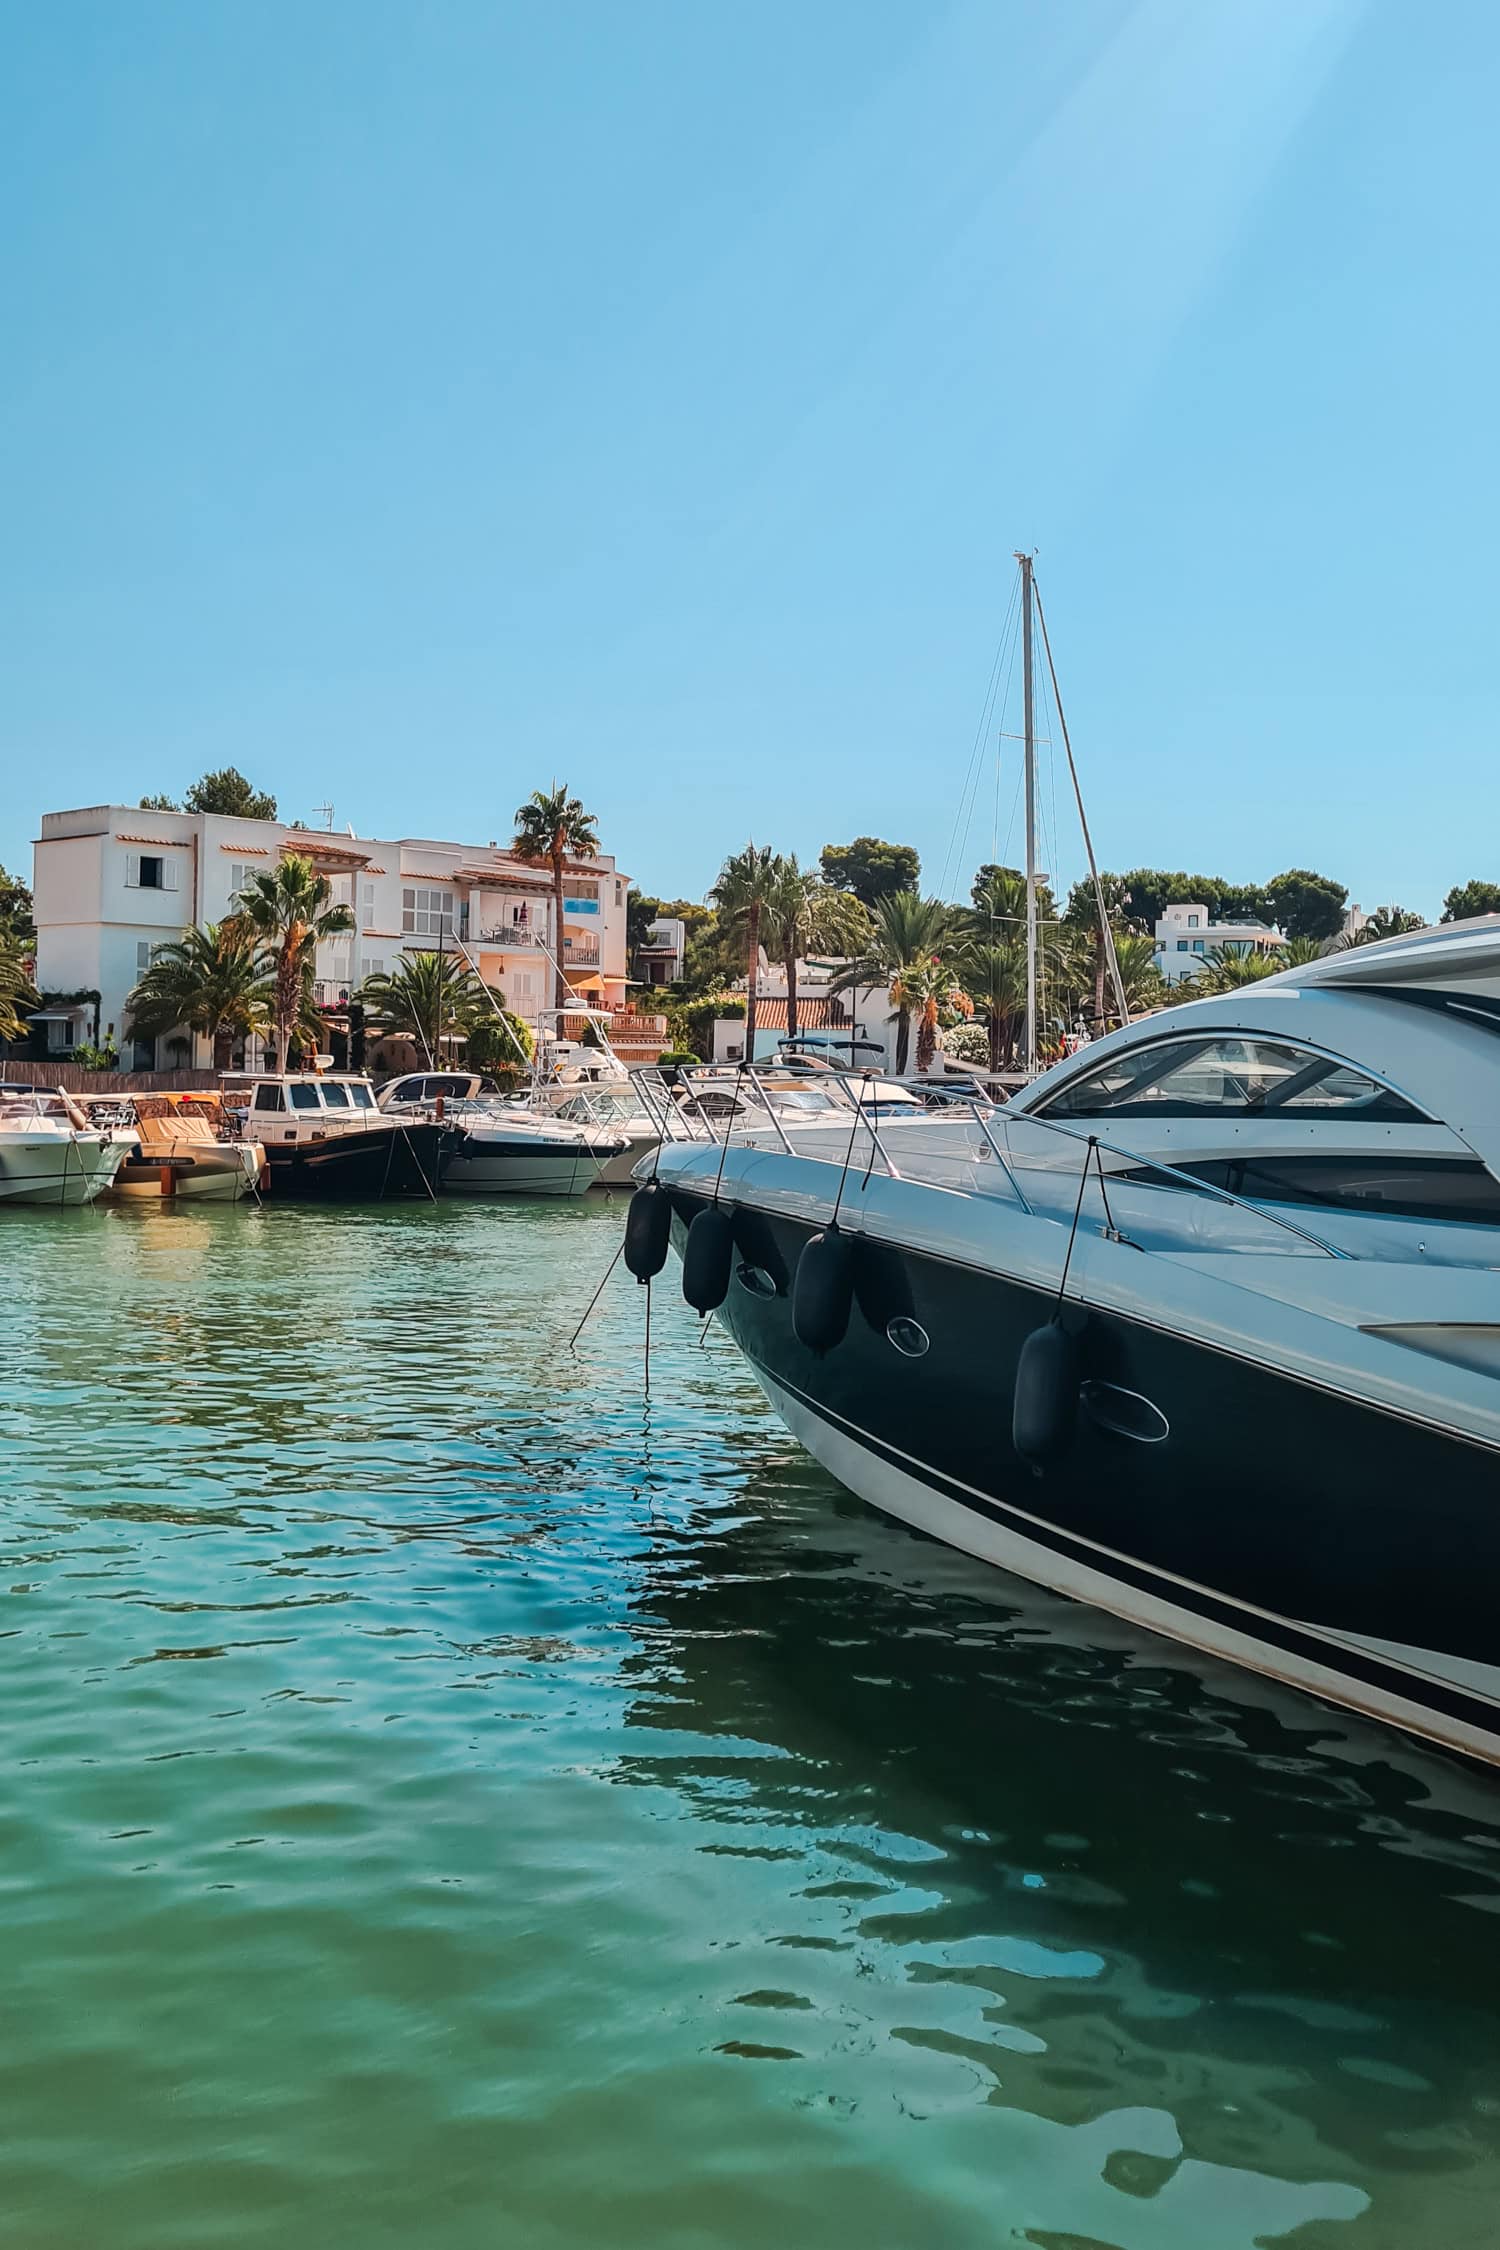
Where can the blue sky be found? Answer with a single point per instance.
(410, 404)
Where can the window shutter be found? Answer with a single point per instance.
(132, 871)
(168, 873)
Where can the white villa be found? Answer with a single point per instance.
(112, 881)
(1187, 932)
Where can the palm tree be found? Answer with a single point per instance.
(1135, 957)
(993, 973)
(218, 980)
(16, 991)
(803, 912)
(1299, 951)
(1226, 969)
(928, 989)
(1386, 921)
(289, 910)
(551, 828)
(744, 898)
(906, 931)
(428, 998)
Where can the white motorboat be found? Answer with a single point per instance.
(49, 1151)
(184, 1147)
(618, 1110)
(1203, 1328)
(501, 1150)
(525, 1146)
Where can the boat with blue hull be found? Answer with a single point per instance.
(1203, 1327)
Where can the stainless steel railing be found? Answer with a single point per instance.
(858, 1094)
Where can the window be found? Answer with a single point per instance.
(239, 879)
(1408, 1187)
(150, 871)
(268, 1097)
(142, 957)
(367, 896)
(1199, 945)
(361, 1097)
(1182, 945)
(426, 913)
(618, 896)
(1227, 1077)
(1192, 921)
(304, 1097)
(335, 1097)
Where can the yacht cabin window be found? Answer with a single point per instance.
(268, 1097)
(1231, 1076)
(361, 1096)
(304, 1096)
(335, 1096)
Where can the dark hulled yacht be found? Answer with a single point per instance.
(1260, 1236)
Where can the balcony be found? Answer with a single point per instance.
(513, 938)
(581, 953)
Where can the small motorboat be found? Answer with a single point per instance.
(50, 1152)
(499, 1147)
(504, 1151)
(185, 1145)
(326, 1140)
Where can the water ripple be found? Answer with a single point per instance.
(454, 1799)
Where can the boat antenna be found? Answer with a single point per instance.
(1028, 690)
(1112, 959)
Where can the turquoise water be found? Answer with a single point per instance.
(452, 1802)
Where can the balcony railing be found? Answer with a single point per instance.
(513, 937)
(579, 954)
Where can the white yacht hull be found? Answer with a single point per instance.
(57, 1168)
(619, 1169)
(516, 1168)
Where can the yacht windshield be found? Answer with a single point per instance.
(1235, 1076)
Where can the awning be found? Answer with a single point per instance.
(59, 1015)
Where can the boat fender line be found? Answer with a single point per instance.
(1044, 1410)
(708, 1258)
(648, 1230)
(823, 1290)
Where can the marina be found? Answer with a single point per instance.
(440, 1727)
(749, 1146)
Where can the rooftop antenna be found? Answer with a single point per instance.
(327, 813)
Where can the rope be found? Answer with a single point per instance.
(859, 1107)
(599, 1292)
(1083, 1181)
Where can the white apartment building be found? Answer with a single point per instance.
(662, 953)
(1188, 931)
(112, 881)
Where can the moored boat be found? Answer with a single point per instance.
(325, 1140)
(519, 1147)
(1203, 1328)
(49, 1150)
(184, 1146)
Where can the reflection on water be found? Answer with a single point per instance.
(452, 1801)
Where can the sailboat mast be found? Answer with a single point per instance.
(1028, 690)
